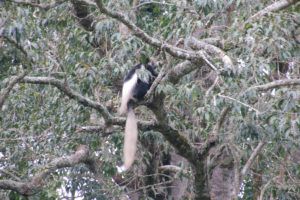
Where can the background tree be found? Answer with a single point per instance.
(221, 121)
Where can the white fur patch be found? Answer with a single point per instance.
(128, 87)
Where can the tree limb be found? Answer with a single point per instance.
(251, 159)
(63, 87)
(44, 6)
(5, 92)
(183, 146)
(27, 188)
(276, 6)
(172, 50)
(197, 44)
(275, 84)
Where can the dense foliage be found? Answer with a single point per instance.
(225, 121)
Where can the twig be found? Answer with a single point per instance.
(244, 104)
(261, 196)
(211, 88)
(202, 54)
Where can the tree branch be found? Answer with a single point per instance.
(172, 50)
(44, 6)
(276, 6)
(174, 137)
(5, 92)
(213, 137)
(27, 188)
(197, 44)
(251, 159)
(63, 87)
(275, 84)
(105, 130)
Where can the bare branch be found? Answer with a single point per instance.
(5, 92)
(172, 50)
(251, 159)
(44, 6)
(276, 6)
(275, 84)
(33, 186)
(242, 103)
(63, 87)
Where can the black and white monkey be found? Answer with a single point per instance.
(134, 89)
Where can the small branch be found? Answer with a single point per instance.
(33, 186)
(5, 92)
(172, 50)
(251, 159)
(275, 84)
(17, 45)
(244, 104)
(211, 88)
(261, 196)
(210, 142)
(276, 6)
(197, 44)
(45, 6)
(156, 82)
(63, 87)
(220, 121)
(207, 61)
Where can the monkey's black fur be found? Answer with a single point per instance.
(141, 86)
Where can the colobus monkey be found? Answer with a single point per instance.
(134, 89)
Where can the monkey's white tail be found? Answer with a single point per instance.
(127, 90)
(130, 140)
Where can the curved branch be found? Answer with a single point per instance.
(276, 6)
(63, 87)
(33, 186)
(5, 92)
(197, 44)
(172, 50)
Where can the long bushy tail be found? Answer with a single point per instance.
(130, 140)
